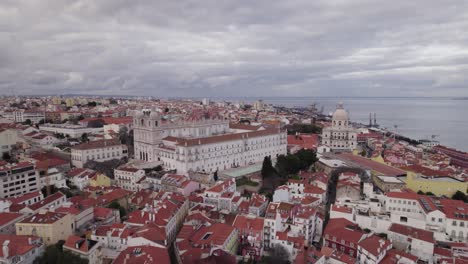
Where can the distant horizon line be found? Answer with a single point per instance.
(237, 97)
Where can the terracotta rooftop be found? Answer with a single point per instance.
(43, 218)
(143, 254)
(7, 217)
(96, 144)
(413, 232)
(370, 164)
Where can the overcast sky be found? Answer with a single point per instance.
(235, 48)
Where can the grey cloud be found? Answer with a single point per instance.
(234, 48)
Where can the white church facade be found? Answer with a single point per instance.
(341, 135)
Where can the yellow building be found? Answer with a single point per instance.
(100, 180)
(70, 102)
(441, 185)
(50, 226)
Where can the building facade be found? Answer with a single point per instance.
(101, 150)
(341, 135)
(18, 179)
(50, 226)
(203, 145)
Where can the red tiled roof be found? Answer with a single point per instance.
(23, 198)
(393, 256)
(375, 245)
(143, 254)
(222, 186)
(370, 164)
(7, 217)
(425, 171)
(79, 243)
(343, 229)
(97, 144)
(20, 165)
(19, 245)
(341, 209)
(44, 218)
(217, 234)
(413, 232)
(226, 137)
(243, 222)
(304, 140)
(48, 200)
(454, 209)
(112, 196)
(102, 212)
(50, 163)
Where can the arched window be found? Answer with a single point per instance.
(142, 122)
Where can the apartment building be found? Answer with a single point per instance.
(73, 131)
(20, 249)
(50, 226)
(127, 177)
(18, 179)
(100, 150)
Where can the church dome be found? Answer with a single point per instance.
(154, 115)
(340, 113)
(139, 114)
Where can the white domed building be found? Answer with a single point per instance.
(340, 136)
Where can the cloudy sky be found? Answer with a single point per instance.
(235, 48)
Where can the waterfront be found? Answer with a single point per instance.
(418, 118)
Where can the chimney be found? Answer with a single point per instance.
(5, 249)
(29, 241)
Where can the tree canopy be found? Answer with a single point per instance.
(97, 123)
(293, 163)
(267, 168)
(55, 254)
(303, 128)
(460, 196)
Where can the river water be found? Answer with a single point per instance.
(417, 118)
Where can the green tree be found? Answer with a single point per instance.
(460, 196)
(84, 137)
(307, 158)
(6, 156)
(267, 168)
(27, 122)
(97, 123)
(116, 205)
(55, 254)
(421, 192)
(92, 104)
(304, 129)
(289, 164)
(278, 255)
(123, 135)
(215, 176)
